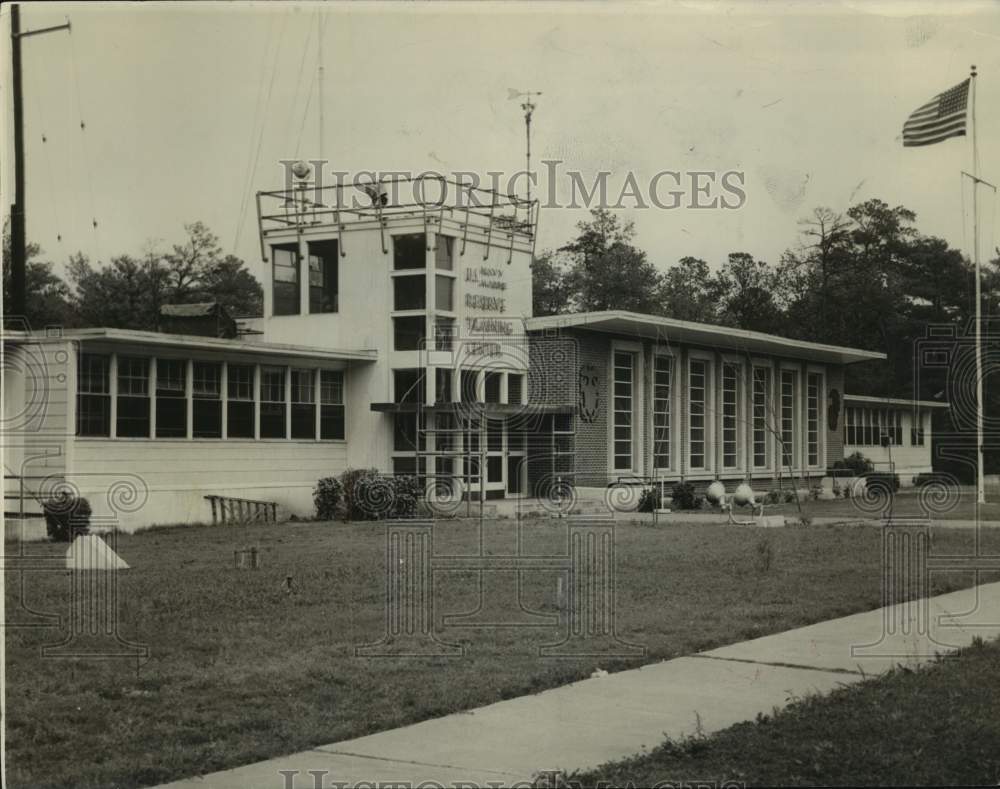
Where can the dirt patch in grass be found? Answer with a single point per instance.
(242, 668)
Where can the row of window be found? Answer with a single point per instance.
(324, 271)
(315, 409)
(409, 292)
(409, 385)
(784, 424)
(876, 426)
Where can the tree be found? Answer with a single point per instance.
(126, 294)
(228, 282)
(550, 294)
(747, 294)
(188, 263)
(46, 295)
(688, 292)
(606, 271)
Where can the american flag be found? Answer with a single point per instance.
(940, 118)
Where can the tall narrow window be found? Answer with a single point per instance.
(898, 434)
(813, 387)
(444, 288)
(444, 333)
(240, 417)
(697, 394)
(515, 388)
(788, 417)
(323, 276)
(272, 402)
(93, 399)
(409, 385)
(468, 389)
(133, 397)
(730, 415)
(409, 333)
(662, 374)
(303, 404)
(491, 386)
(171, 398)
(285, 273)
(443, 254)
(331, 405)
(206, 408)
(917, 429)
(761, 401)
(442, 384)
(624, 381)
(850, 427)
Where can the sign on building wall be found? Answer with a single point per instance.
(589, 392)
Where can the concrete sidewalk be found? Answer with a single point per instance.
(597, 720)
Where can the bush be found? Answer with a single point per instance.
(650, 500)
(684, 497)
(774, 496)
(857, 463)
(66, 516)
(328, 496)
(407, 496)
(882, 479)
(354, 508)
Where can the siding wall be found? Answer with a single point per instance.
(179, 473)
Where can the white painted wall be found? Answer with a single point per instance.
(909, 460)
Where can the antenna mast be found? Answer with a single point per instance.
(529, 107)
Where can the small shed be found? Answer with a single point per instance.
(203, 319)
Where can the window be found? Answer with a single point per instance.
(133, 397)
(730, 415)
(444, 334)
(761, 400)
(409, 251)
(240, 416)
(171, 398)
(409, 292)
(442, 384)
(444, 288)
(850, 427)
(285, 272)
(813, 388)
(409, 386)
(515, 388)
(788, 417)
(697, 395)
(443, 255)
(409, 334)
(897, 436)
(272, 402)
(206, 406)
(468, 391)
(303, 404)
(405, 434)
(624, 375)
(93, 399)
(492, 387)
(323, 276)
(444, 437)
(662, 373)
(331, 405)
(917, 429)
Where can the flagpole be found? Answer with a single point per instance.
(980, 466)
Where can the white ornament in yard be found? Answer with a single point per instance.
(90, 552)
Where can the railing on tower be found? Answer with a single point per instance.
(502, 219)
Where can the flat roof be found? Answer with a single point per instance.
(672, 330)
(194, 342)
(905, 401)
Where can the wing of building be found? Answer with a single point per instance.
(397, 334)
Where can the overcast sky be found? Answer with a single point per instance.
(188, 109)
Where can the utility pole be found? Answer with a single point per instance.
(18, 251)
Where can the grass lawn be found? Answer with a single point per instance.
(906, 503)
(935, 726)
(240, 670)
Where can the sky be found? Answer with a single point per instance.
(189, 108)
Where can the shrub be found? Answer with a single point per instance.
(328, 496)
(354, 508)
(857, 463)
(684, 497)
(407, 495)
(650, 500)
(66, 516)
(882, 479)
(774, 496)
